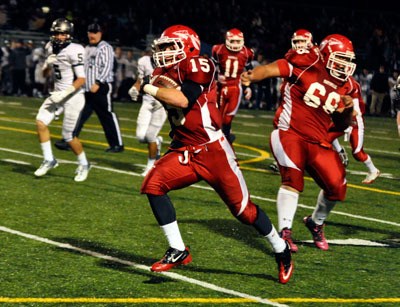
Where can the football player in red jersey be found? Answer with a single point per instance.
(355, 133)
(315, 94)
(231, 59)
(199, 150)
(305, 52)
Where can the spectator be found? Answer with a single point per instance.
(18, 67)
(379, 89)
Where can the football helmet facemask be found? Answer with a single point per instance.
(175, 44)
(302, 39)
(338, 54)
(61, 26)
(234, 40)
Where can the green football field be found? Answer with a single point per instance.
(64, 243)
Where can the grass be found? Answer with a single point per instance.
(64, 243)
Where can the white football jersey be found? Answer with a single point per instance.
(68, 66)
(145, 66)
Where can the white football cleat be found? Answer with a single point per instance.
(45, 167)
(82, 172)
(371, 177)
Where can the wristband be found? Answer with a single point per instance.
(151, 90)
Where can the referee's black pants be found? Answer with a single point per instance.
(100, 102)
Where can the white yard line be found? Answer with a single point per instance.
(199, 186)
(141, 267)
(146, 268)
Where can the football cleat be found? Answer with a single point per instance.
(82, 172)
(317, 232)
(343, 157)
(286, 234)
(172, 258)
(62, 145)
(371, 177)
(45, 167)
(285, 264)
(159, 144)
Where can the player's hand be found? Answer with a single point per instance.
(49, 61)
(247, 93)
(59, 96)
(347, 100)
(94, 88)
(246, 78)
(221, 79)
(134, 93)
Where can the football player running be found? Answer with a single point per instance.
(355, 134)
(231, 58)
(151, 115)
(316, 92)
(66, 60)
(199, 150)
(301, 40)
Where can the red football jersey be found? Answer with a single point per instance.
(231, 64)
(199, 123)
(310, 115)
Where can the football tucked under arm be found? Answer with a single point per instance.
(162, 81)
(167, 91)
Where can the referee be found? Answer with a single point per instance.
(98, 89)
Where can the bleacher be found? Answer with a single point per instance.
(35, 37)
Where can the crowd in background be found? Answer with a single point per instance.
(267, 25)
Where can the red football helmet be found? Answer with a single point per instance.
(234, 40)
(302, 39)
(338, 53)
(175, 44)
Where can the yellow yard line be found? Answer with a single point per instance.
(154, 300)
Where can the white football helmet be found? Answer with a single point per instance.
(175, 44)
(234, 40)
(338, 53)
(302, 39)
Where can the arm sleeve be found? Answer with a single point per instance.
(191, 90)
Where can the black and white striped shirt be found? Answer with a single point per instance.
(99, 64)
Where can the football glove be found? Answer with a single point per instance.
(49, 61)
(59, 96)
(134, 93)
(247, 93)
(343, 157)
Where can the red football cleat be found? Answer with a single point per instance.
(285, 264)
(286, 234)
(172, 258)
(317, 232)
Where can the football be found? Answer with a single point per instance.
(163, 82)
